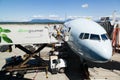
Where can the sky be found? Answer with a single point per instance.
(24, 10)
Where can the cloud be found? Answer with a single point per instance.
(84, 6)
(54, 17)
(73, 17)
(37, 16)
(51, 16)
(45, 17)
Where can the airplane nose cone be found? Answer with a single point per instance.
(101, 52)
(105, 52)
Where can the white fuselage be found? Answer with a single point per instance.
(89, 40)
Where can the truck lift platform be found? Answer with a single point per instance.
(18, 66)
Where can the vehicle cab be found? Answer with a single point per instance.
(57, 64)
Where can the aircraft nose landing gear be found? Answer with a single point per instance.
(84, 70)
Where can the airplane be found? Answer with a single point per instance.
(88, 40)
(85, 37)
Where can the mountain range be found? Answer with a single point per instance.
(46, 21)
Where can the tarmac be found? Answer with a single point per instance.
(105, 71)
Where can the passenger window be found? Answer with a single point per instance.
(104, 37)
(94, 37)
(81, 35)
(86, 36)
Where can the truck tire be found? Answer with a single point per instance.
(61, 70)
(54, 71)
(19, 76)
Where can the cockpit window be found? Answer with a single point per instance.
(81, 35)
(104, 37)
(94, 37)
(86, 36)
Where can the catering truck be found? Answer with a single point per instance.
(20, 34)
